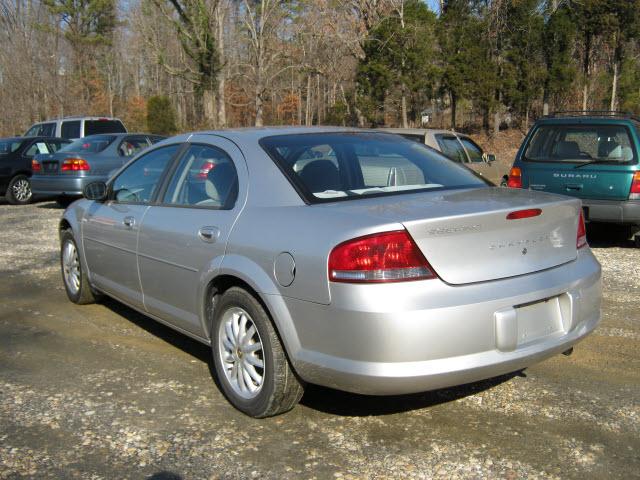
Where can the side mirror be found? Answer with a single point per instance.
(489, 157)
(95, 191)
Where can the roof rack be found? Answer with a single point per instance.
(596, 113)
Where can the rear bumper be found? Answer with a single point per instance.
(418, 336)
(611, 211)
(62, 185)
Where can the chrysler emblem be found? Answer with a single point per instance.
(524, 251)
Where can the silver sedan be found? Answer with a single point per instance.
(353, 259)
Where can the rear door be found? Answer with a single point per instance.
(589, 161)
(184, 238)
(110, 229)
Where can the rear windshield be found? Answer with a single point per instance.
(580, 143)
(92, 127)
(92, 144)
(340, 166)
(7, 147)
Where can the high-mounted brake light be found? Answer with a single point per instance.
(35, 166)
(634, 192)
(515, 178)
(74, 165)
(381, 257)
(581, 237)
(528, 213)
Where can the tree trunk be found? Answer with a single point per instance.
(308, 120)
(209, 102)
(221, 97)
(585, 70)
(454, 102)
(259, 107)
(405, 121)
(616, 72)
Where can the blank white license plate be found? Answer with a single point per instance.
(538, 320)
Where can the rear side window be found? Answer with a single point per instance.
(93, 144)
(338, 166)
(141, 179)
(577, 143)
(206, 177)
(70, 129)
(57, 145)
(414, 137)
(92, 127)
(452, 148)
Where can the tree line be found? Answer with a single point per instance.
(472, 64)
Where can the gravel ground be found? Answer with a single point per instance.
(103, 392)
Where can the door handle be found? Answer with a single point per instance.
(209, 234)
(573, 186)
(129, 222)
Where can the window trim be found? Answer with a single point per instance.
(168, 170)
(165, 186)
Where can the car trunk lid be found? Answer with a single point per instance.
(466, 236)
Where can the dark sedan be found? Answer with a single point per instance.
(65, 173)
(16, 155)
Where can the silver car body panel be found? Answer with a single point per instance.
(477, 320)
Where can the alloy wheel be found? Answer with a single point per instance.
(71, 267)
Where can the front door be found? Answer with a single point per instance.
(183, 239)
(110, 229)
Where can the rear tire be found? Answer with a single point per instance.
(19, 190)
(74, 274)
(251, 365)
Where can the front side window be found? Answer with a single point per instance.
(139, 181)
(70, 129)
(93, 127)
(580, 143)
(452, 148)
(414, 137)
(206, 177)
(93, 144)
(473, 150)
(330, 166)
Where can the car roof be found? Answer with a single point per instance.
(39, 137)
(77, 117)
(418, 131)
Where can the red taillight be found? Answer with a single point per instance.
(581, 237)
(205, 169)
(75, 165)
(515, 178)
(382, 257)
(529, 212)
(35, 166)
(634, 193)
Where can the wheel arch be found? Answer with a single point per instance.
(273, 304)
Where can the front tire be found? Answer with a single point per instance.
(19, 190)
(251, 365)
(74, 275)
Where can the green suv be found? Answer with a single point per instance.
(589, 155)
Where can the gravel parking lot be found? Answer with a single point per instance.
(100, 391)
